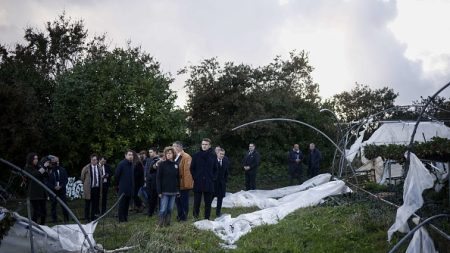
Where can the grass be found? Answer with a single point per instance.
(358, 224)
(355, 226)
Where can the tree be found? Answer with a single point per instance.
(361, 102)
(223, 97)
(108, 103)
(27, 82)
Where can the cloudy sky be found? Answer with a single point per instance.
(403, 44)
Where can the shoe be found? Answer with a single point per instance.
(160, 221)
(167, 220)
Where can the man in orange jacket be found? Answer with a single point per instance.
(183, 160)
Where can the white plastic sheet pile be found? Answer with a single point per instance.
(231, 229)
(266, 198)
(60, 238)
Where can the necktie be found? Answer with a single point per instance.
(57, 177)
(95, 176)
(220, 162)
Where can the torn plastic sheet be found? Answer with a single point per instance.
(417, 180)
(421, 242)
(354, 149)
(266, 198)
(231, 229)
(59, 238)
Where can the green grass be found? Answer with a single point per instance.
(352, 227)
(358, 224)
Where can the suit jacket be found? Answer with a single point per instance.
(253, 160)
(150, 173)
(221, 179)
(87, 177)
(293, 165)
(125, 178)
(203, 170)
(314, 158)
(108, 175)
(60, 177)
(186, 180)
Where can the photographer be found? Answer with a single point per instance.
(57, 182)
(36, 193)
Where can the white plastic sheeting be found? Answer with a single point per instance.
(231, 229)
(354, 149)
(59, 238)
(421, 242)
(417, 180)
(400, 133)
(266, 198)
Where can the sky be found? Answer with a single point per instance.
(403, 44)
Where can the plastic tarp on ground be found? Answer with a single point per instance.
(59, 238)
(231, 229)
(417, 180)
(267, 198)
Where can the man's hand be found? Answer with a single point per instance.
(57, 187)
(41, 170)
(159, 195)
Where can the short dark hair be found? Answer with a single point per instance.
(129, 150)
(93, 155)
(154, 149)
(178, 143)
(207, 139)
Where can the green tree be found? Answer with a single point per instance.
(114, 100)
(361, 101)
(221, 97)
(27, 82)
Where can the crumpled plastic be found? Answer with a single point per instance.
(417, 180)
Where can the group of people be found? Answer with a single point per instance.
(296, 159)
(50, 173)
(167, 177)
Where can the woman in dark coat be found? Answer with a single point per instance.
(36, 193)
(167, 185)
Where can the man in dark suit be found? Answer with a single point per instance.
(295, 158)
(221, 179)
(314, 160)
(125, 181)
(150, 181)
(105, 170)
(57, 181)
(251, 163)
(92, 186)
(203, 170)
